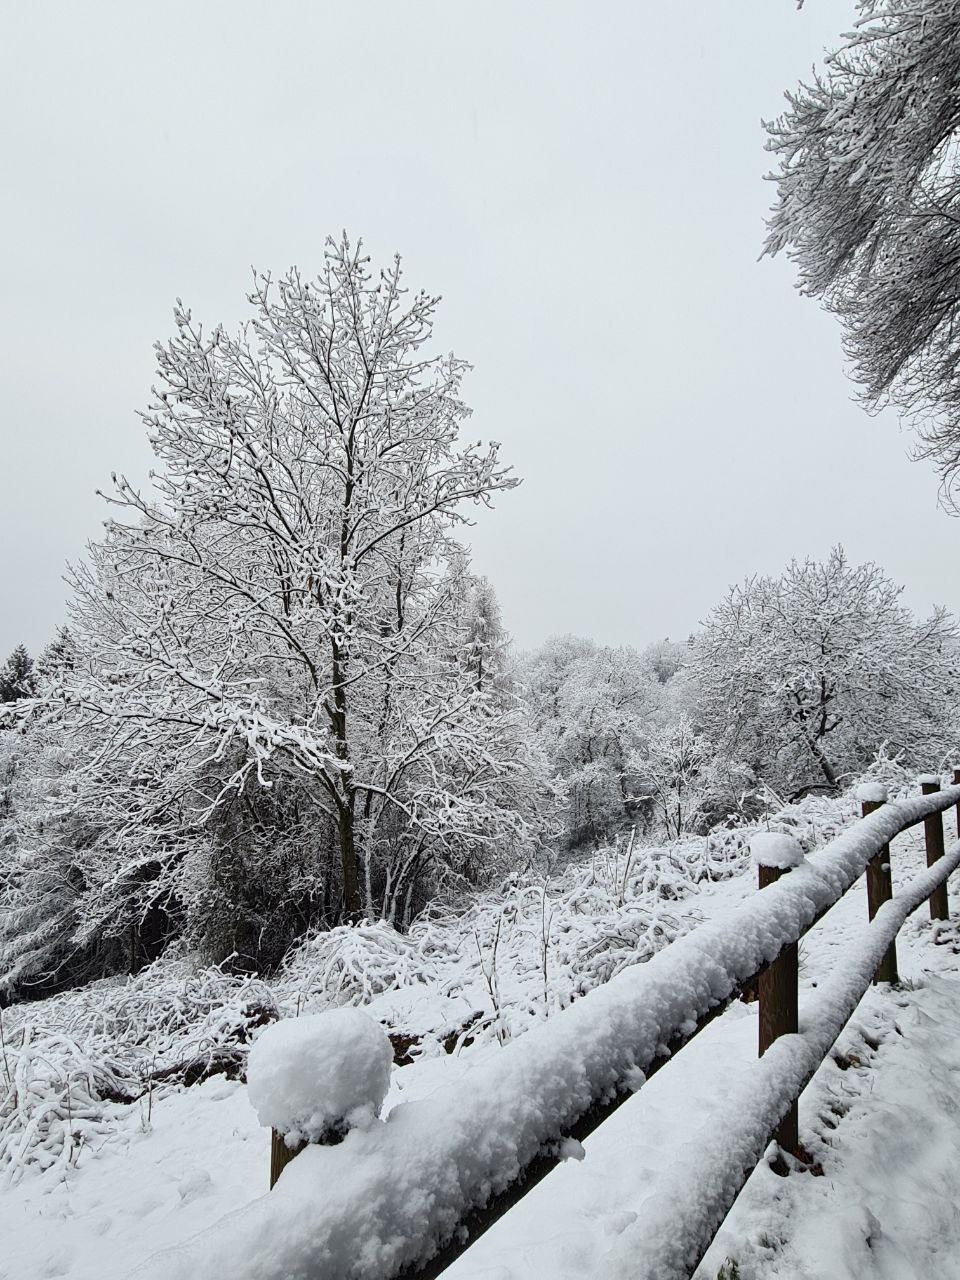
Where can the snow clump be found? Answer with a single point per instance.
(872, 793)
(775, 849)
(313, 1076)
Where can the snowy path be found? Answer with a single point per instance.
(885, 1208)
(885, 1126)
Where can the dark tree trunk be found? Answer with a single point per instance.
(348, 858)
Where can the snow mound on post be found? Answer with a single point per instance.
(775, 849)
(872, 793)
(320, 1073)
(929, 780)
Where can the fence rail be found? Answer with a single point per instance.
(408, 1197)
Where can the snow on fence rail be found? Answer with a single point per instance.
(406, 1196)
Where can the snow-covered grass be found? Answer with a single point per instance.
(467, 980)
(67, 1062)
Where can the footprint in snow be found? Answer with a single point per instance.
(194, 1185)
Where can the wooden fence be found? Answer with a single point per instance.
(717, 963)
(776, 986)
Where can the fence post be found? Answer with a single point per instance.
(281, 1155)
(777, 986)
(880, 886)
(311, 1078)
(933, 837)
(956, 783)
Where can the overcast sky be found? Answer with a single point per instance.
(582, 183)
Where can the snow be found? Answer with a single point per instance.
(881, 1211)
(161, 1192)
(929, 780)
(872, 793)
(310, 1076)
(775, 849)
(386, 1195)
(151, 1181)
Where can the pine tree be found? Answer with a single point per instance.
(17, 678)
(58, 657)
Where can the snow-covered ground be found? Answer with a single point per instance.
(881, 1118)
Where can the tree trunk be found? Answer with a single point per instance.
(826, 768)
(347, 796)
(348, 859)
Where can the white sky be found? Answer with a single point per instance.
(582, 182)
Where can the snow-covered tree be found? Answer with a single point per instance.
(41, 836)
(58, 656)
(666, 657)
(94, 837)
(671, 765)
(802, 678)
(485, 641)
(692, 784)
(590, 707)
(288, 599)
(868, 206)
(17, 676)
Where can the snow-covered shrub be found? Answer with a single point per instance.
(812, 820)
(353, 963)
(891, 773)
(69, 1059)
(52, 1100)
(318, 1075)
(633, 936)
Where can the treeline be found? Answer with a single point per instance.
(113, 845)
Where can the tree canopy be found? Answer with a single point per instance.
(17, 676)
